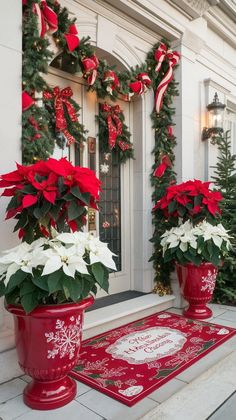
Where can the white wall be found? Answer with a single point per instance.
(10, 104)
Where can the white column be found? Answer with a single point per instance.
(143, 145)
(189, 151)
(10, 111)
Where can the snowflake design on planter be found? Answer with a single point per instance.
(208, 282)
(66, 338)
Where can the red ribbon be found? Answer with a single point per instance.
(47, 18)
(114, 123)
(159, 55)
(90, 65)
(165, 163)
(61, 97)
(112, 80)
(170, 130)
(173, 58)
(142, 84)
(27, 101)
(72, 38)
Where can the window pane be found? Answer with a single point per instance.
(109, 216)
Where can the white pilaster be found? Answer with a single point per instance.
(10, 111)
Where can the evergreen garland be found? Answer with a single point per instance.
(225, 180)
(164, 145)
(123, 147)
(39, 137)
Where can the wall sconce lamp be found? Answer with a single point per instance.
(215, 120)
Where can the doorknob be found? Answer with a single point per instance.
(91, 219)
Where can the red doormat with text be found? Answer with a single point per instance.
(130, 362)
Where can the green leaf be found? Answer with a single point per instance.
(27, 287)
(22, 222)
(210, 248)
(55, 211)
(15, 280)
(74, 210)
(101, 275)
(86, 284)
(172, 206)
(86, 198)
(2, 288)
(66, 283)
(98, 272)
(29, 302)
(53, 281)
(41, 282)
(76, 289)
(76, 192)
(13, 203)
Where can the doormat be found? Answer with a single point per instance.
(130, 362)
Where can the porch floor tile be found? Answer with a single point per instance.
(111, 409)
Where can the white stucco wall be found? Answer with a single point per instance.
(10, 105)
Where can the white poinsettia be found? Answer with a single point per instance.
(217, 233)
(186, 236)
(19, 257)
(66, 258)
(180, 236)
(99, 252)
(78, 239)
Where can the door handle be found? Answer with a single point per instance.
(91, 219)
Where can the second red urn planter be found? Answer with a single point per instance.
(197, 284)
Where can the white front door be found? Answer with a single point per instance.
(113, 223)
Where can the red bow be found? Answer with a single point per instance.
(72, 38)
(173, 58)
(112, 80)
(165, 163)
(47, 18)
(27, 101)
(90, 65)
(142, 84)
(114, 123)
(159, 55)
(61, 97)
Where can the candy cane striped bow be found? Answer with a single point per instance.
(159, 55)
(173, 58)
(47, 18)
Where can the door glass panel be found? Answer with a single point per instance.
(110, 213)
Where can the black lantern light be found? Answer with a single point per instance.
(215, 119)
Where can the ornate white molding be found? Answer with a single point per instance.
(196, 8)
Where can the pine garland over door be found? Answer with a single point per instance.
(48, 22)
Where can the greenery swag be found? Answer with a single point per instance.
(38, 137)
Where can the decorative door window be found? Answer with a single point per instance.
(110, 213)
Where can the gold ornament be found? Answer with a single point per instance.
(162, 290)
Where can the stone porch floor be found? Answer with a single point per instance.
(200, 390)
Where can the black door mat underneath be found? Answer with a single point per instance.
(116, 298)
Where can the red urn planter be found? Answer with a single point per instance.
(197, 284)
(48, 343)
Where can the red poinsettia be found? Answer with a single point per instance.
(51, 193)
(190, 200)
